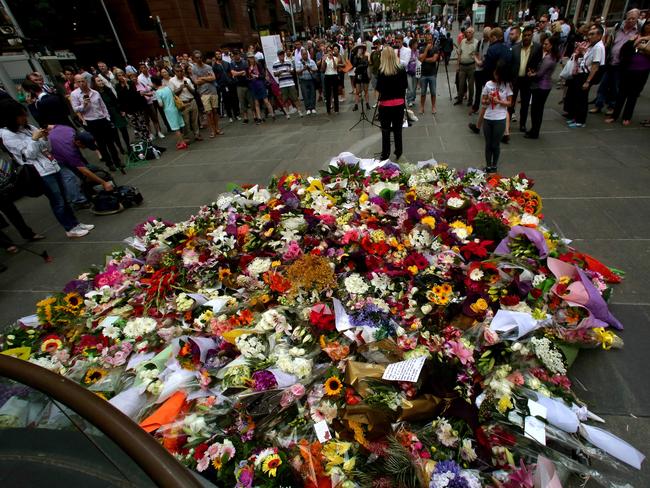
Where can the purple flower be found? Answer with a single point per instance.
(264, 380)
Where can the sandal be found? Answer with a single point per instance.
(219, 132)
(181, 145)
(609, 120)
(36, 237)
(627, 122)
(11, 249)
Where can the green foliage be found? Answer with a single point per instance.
(489, 228)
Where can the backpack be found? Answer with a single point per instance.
(128, 196)
(412, 65)
(106, 203)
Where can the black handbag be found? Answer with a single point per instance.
(28, 181)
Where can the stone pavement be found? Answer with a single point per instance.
(595, 184)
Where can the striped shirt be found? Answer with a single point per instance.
(283, 70)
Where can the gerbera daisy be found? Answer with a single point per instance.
(333, 386)
(51, 343)
(271, 464)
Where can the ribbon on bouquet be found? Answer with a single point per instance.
(563, 417)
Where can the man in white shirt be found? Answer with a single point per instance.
(403, 52)
(589, 66)
(89, 104)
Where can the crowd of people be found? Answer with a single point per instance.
(108, 109)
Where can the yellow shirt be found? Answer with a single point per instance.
(525, 54)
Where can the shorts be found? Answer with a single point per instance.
(289, 93)
(210, 102)
(245, 99)
(429, 81)
(373, 82)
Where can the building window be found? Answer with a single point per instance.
(199, 9)
(252, 17)
(224, 11)
(142, 14)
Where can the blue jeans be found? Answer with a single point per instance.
(412, 86)
(72, 186)
(308, 93)
(609, 87)
(428, 81)
(54, 191)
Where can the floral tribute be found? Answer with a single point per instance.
(400, 327)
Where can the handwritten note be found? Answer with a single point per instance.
(535, 429)
(322, 431)
(408, 370)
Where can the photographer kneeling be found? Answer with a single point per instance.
(391, 89)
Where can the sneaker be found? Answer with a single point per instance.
(300, 114)
(87, 227)
(230, 120)
(238, 117)
(513, 118)
(356, 107)
(474, 128)
(288, 116)
(292, 110)
(160, 135)
(367, 106)
(76, 232)
(575, 125)
(313, 111)
(595, 110)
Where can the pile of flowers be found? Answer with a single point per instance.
(405, 326)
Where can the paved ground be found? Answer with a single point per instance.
(595, 183)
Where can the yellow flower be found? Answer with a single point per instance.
(271, 464)
(504, 404)
(363, 198)
(605, 337)
(73, 300)
(479, 306)
(94, 374)
(413, 269)
(315, 185)
(429, 221)
(333, 386)
(216, 462)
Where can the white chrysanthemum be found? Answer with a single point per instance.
(258, 266)
(529, 219)
(381, 282)
(455, 202)
(250, 346)
(224, 201)
(139, 327)
(356, 284)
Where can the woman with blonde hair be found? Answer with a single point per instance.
(391, 89)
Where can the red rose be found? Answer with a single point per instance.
(322, 318)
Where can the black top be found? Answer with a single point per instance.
(429, 68)
(129, 99)
(392, 87)
(50, 110)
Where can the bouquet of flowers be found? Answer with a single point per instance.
(394, 326)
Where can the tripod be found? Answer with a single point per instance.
(448, 84)
(362, 116)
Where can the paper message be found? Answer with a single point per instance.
(322, 431)
(341, 317)
(535, 429)
(408, 370)
(536, 409)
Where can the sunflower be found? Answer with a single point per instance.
(271, 464)
(73, 300)
(333, 386)
(94, 374)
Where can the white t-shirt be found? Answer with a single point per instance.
(594, 54)
(496, 111)
(404, 56)
(175, 84)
